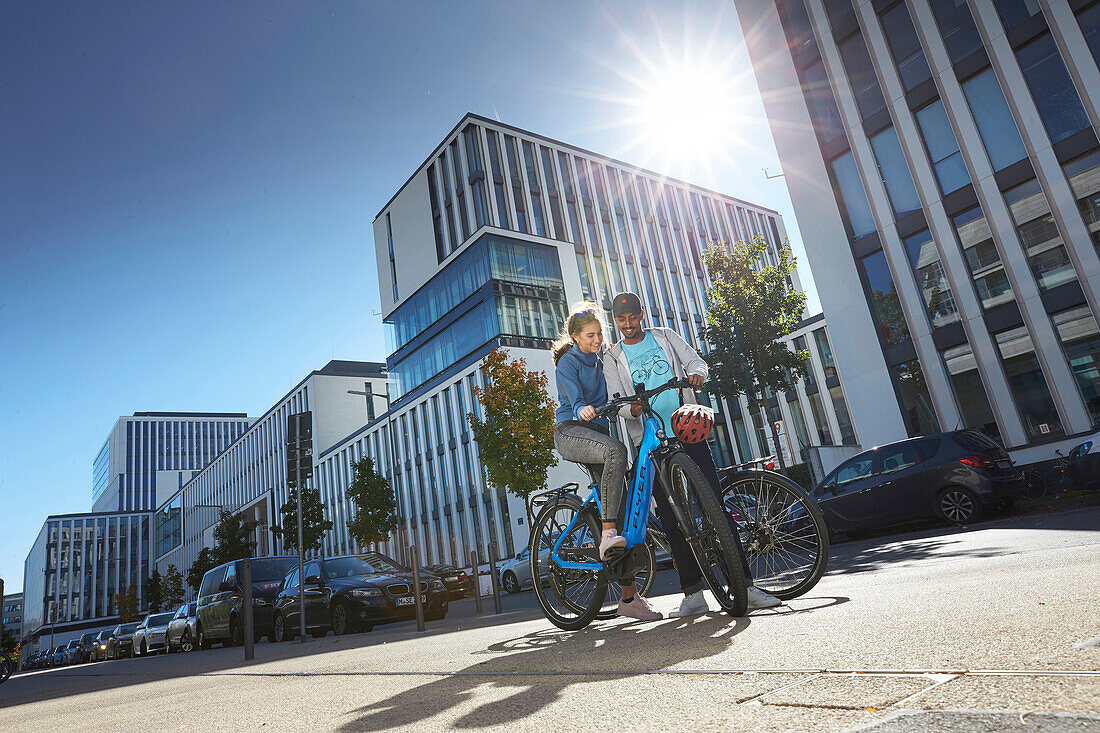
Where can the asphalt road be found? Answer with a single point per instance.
(970, 629)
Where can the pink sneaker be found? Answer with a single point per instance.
(611, 542)
(640, 609)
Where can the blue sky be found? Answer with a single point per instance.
(187, 189)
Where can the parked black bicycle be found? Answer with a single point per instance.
(1047, 478)
(7, 666)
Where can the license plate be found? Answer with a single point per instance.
(410, 600)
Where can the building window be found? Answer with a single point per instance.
(437, 217)
(586, 281)
(885, 303)
(800, 31)
(477, 171)
(1081, 342)
(894, 172)
(827, 120)
(942, 147)
(1090, 27)
(861, 75)
(807, 365)
(1014, 12)
(924, 258)
(1039, 235)
(1028, 385)
(960, 35)
(996, 126)
(826, 353)
(446, 176)
(393, 266)
(843, 419)
(533, 184)
(553, 194)
(497, 172)
(904, 44)
(982, 258)
(853, 198)
(1084, 177)
(917, 409)
(517, 182)
(799, 421)
(460, 193)
(1051, 88)
(837, 10)
(970, 394)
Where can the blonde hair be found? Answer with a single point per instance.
(580, 315)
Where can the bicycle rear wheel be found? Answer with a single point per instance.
(708, 534)
(569, 598)
(7, 666)
(785, 537)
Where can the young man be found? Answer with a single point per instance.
(650, 357)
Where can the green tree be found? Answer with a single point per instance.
(751, 307)
(127, 605)
(154, 591)
(375, 505)
(8, 642)
(204, 562)
(314, 524)
(516, 437)
(233, 537)
(173, 587)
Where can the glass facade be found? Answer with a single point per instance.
(1052, 88)
(960, 35)
(1029, 385)
(1081, 342)
(1089, 18)
(884, 300)
(894, 171)
(917, 410)
(924, 258)
(1039, 235)
(982, 257)
(825, 352)
(1014, 12)
(997, 128)
(942, 147)
(169, 526)
(853, 197)
(843, 418)
(1084, 177)
(827, 120)
(905, 46)
(861, 75)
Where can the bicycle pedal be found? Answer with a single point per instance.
(614, 555)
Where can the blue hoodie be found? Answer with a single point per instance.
(580, 383)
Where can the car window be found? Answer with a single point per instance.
(191, 608)
(895, 458)
(855, 469)
(313, 569)
(272, 568)
(211, 580)
(181, 612)
(976, 441)
(347, 567)
(383, 563)
(161, 619)
(1080, 450)
(292, 580)
(230, 574)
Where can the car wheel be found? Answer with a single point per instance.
(204, 643)
(343, 619)
(144, 648)
(186, 644)
(234, 632)
(957, 505)
(510, 582)
(280, 632)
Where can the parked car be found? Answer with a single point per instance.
(72, 652)
(86, 646)
(99, 646)
(183, 631)
(58, 659)
(515, 572)
(457, 582)
(1083, 469)
(353, 593)
(219, 617)
(151, 635)
(956, 476)
(121, 641)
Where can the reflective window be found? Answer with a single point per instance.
(853, 198)
(855, 469)
(905, 46)
(169, 526)
(825, 352)
(924, 258)
(473, 158)
(837, 10)
(895, 173)
(437, 217)
(1051, 88)
(885, 303)
(995, 124)
(970, 394)
(1028, 384)
(861, 75)
(800, 32)
(552, 191)
(807, 366)
(843, 418)
(514, 175)
(497, 172)
(533, 183)
(917, 409)
(1090, 26)
(1084, 177)
(942, 147)
(982, 258)
(957, 27)
(1014, 12)
(447, 201)
(801, 435)
(1039, 235)
(1081, 342)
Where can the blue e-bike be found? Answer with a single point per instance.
(571, 583)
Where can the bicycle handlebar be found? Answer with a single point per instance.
(612, 406)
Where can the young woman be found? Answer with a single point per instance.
(582, 438)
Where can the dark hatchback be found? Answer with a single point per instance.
(121, 641)
(457, 581)
(955, 476)
(353, 593)
(221, 595)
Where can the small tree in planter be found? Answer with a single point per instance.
(375, 505)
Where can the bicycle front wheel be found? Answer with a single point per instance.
(569, 597)
(643, 581)
(7, 666)
(784, 535)
(709, 534)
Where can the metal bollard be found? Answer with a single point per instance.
(249, 624)
(476, 575)
(416, 588)
(493, 574)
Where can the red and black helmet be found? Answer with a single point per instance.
(692, 423)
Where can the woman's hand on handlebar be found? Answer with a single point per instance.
(588, 412)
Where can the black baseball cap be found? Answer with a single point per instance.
(625, 303)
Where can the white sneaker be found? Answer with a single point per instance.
(692, 605)
(760, 599)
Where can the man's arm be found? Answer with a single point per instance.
(615, 383)
(689, 357)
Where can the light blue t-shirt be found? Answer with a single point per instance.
(649, 366)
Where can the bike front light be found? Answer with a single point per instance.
(366, 593)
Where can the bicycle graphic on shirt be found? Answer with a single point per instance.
(651, 363)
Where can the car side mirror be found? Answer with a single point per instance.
(313, 580)
(227, 585)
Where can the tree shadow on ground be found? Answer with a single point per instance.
(904, 553)
(539, 668)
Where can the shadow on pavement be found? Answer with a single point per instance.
(539, 670)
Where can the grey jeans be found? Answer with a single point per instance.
(582, 443)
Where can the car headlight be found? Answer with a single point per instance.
(366, 592)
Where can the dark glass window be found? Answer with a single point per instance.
(552, 191)
(970, 395)
(1014, 12)
(447, 201)
(885, 303)
(800, 31)
(1039, 235)
(924, 258)
(943, 148)
(957, 27)
(498, 179)
(982, 258)
(1090, 26)
(905, 46)
(1051, 88)
(1084, 177)
(437, 216)
(917, 410)
(837, 10)
(514, 175)
(853, 198)
(473, 158)
(894, 171)
(827, 119)
(460, 193)
(1081, 342)
(807, 366)
(825, 351)
(861, 75)
(533, 183)
(843, 418)
(1029, 386)
(994, 120)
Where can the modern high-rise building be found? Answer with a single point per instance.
(12, 609)
(152, 450)
(946, 154)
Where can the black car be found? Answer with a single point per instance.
(218, 613)
(457, 581)
(353, 593)
(121, 641)
(87, 647)
(955, 476)
(99, 646)
(1083, 469)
